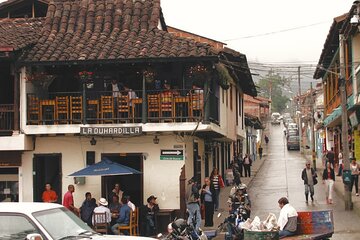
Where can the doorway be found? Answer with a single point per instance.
(131, 185)
(47, 169)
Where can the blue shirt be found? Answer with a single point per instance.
(208, 195)
(124, 215)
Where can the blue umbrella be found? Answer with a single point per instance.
(105, 168)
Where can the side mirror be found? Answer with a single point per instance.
(34, 236)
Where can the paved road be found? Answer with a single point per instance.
(280, 176)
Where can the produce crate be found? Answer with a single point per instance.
(257, 235)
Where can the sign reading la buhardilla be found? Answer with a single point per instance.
(103, 131)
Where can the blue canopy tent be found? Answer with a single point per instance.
(105, 167)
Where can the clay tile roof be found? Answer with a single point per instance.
(16, 33)
(81, 30)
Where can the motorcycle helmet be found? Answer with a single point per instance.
(179, 225)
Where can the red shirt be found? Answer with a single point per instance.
(49, 196)
(68, 200)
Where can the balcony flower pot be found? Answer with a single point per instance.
(41, 81)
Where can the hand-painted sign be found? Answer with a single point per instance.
(110, 130)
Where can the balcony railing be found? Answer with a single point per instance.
(184, 105)
(7, 117)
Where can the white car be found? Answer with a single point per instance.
(46, 221)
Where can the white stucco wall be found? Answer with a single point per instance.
(161, 177)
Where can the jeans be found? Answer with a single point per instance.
(194, 211)
(340, 170)
(329, 184)
(286, 233)
(116, 231)
(355, 180)
(307, 189)
(217, 195)
(247, 170)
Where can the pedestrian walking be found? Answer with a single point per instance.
(354, 168)
(266, 139)
(208, 199)
(240, 165)
(218, 183)
(260, 151)
(192, 203)
(330, 157)
(247, 165)
(309, 176)
(340, 165)
(328, 179)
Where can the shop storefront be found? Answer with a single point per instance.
(9, 176)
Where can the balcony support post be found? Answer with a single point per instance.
(84, 102)
(16, 97)
(144, 102)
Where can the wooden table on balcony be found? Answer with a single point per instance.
(47, 106)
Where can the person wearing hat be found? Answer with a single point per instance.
(309, 175)
(192, 198)
(147, 215)
(102, 208)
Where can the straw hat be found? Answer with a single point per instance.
(103, 202)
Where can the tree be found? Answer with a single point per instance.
(272, 86)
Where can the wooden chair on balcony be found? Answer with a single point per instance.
(123, 108)
(76, 109)
(197, 104)
(62, 109)
(107, 109)
(167, 106)
(153, 107)
(33, 110)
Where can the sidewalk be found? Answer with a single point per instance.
(338, 186)
(224, 194)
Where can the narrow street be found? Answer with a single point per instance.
(280, 176)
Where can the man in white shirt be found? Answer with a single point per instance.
(102, 208)
(287, 220)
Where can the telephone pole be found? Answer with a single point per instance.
(312, 127)
(344, 123)
(300, 113)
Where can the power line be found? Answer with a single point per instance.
(275, 32)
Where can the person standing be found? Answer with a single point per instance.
(87, 208)
(49, 195)
(147, 216)
(309, 175)
(192, 202)
(68, 200)
(266, 139)
(330, 156)
(218, 183)
(240, 165)
(354, 168)
(208, 198)
(260, 151)
(329, 179)
(247, 165)
(116, 191)
(340, 166)
(287, 220)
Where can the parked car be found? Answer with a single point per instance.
(293, 142)
(40, 221)
(275, 122)
(292, 126)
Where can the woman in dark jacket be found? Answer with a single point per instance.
(208, 199)
(329, 179)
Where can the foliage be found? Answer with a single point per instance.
(223, 75)
(274, 85)
(85, 75)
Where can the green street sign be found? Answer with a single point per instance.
(172, 154)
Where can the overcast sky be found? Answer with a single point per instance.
(237, 19)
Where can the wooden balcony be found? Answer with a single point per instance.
(185, 105)
(7, 123)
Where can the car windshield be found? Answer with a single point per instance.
(60, 222)
(293, 138)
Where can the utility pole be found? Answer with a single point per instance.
(312, 127)
(300, 113)
(344, 123)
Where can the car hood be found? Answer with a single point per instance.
(117, 237)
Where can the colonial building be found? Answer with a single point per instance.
(107, 80)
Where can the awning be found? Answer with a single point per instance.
(105, 168)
